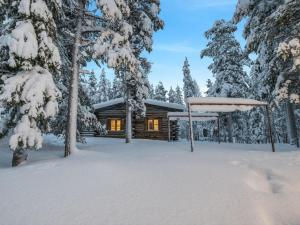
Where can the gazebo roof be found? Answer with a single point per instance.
(221, 104)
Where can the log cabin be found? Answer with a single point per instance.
(154, 125)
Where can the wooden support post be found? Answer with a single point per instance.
(169, 130)
(191, 128)
(219, 140)
(270, 128)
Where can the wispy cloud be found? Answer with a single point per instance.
(176, 48)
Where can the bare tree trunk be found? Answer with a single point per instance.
(70, 142)
(230, 139)
(19, 156)
(291, 124)
(128, 118)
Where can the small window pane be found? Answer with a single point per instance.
(118, 125)
(150, 124)
(113, 125)
(156, 125)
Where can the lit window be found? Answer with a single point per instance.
(115, 125)
(153, 125)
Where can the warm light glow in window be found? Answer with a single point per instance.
(115, 125)
(153, 125)
(118, 125)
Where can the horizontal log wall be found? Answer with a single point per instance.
(139, 125)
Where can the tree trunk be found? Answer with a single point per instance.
(19, 156)
(128, 118)
(230, 139)
(291, 124)
(70, 142)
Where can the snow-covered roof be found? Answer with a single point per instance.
(165, 104)
(109, 103)
(221, 104)
(195, 116)
(147, 101)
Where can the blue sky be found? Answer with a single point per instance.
(183, 36)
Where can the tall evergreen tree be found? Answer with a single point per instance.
(117, 88)
(160, 92)
(103, 88)
(172, 95)
(228, 61)
(92, 87)
(188, 83)
(270, 24)
(227, 67)
(30, 60)
(151, 92)
(179, 97)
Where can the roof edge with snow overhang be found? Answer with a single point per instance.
(147, 101)
(222, 104)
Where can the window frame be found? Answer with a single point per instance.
(153, 121)
(110, 120)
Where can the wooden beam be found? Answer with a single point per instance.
(191, 128)
(219, 140)
(270, 128)
(169, 130)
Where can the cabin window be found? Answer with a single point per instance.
(153, 124)
(115, 125)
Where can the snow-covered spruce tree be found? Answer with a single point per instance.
(209, 85)
(227, 67)
(29, 58)
(178, 97)
(228, 61)
(151, 92)
(92, 87)
(270, 23)
(160, 92)
(188, 83)
(86, 120)
(103, 88)
(131, 27)
(117, 88)
(172, 95)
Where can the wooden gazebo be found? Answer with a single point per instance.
(220, 104)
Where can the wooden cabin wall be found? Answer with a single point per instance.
(139, 125)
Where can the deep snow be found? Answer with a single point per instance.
(151, 183)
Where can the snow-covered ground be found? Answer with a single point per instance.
(151, 183)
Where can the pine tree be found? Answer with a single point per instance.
(92, 87)
(179, 97)
(209, 86)
(160, 92)
(228, 61)
(103, 88)
(117, 88)
(109, 89)
(227, 67)
(188, 83)
(172, 95)
(151, 92)
(30, 59)
(269, 28)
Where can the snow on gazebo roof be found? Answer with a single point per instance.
(195, 116)
(221, 104)
(147, 101)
